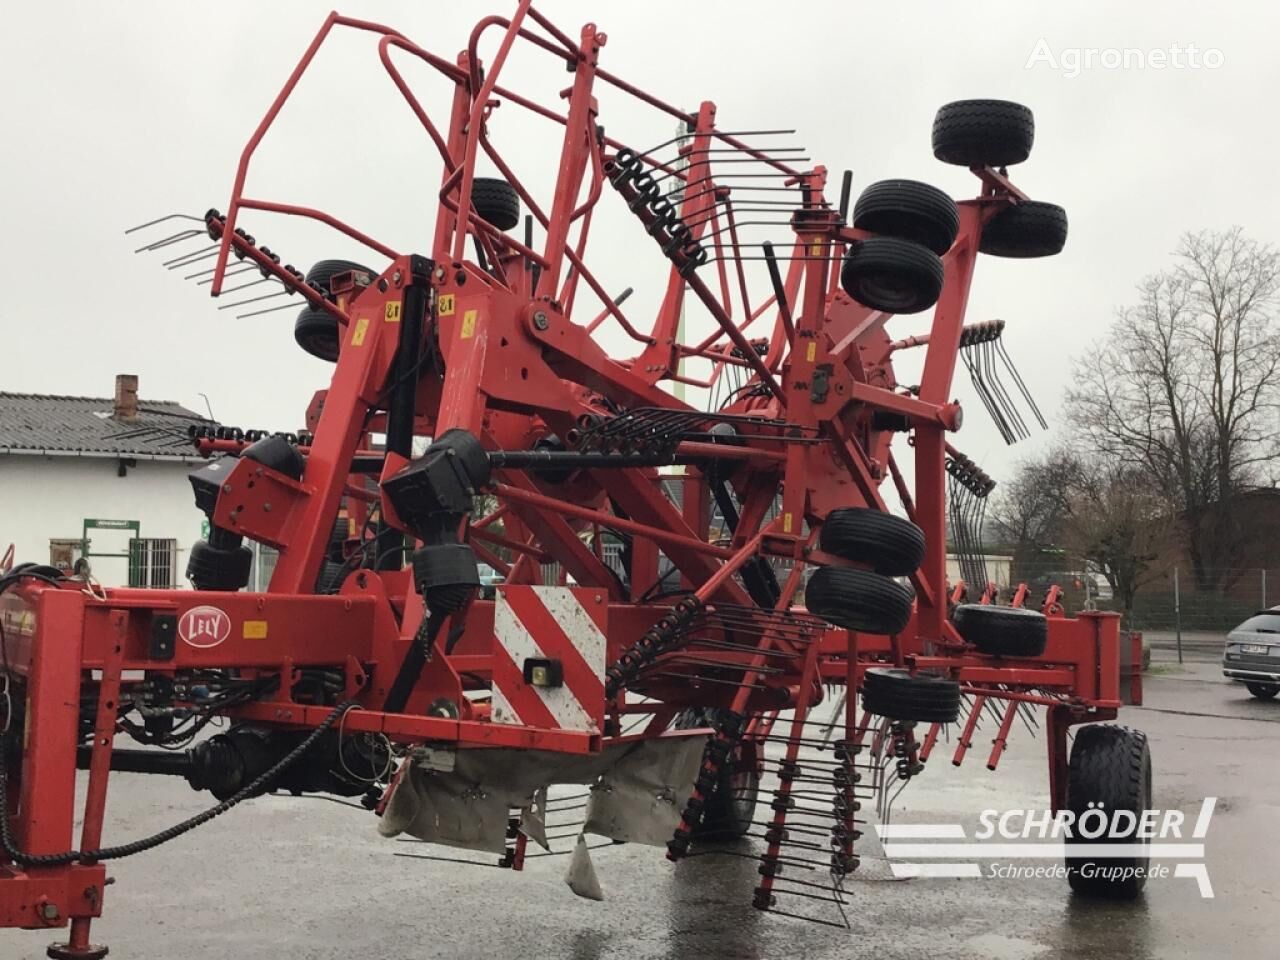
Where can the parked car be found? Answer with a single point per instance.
(1252, 656)
(489, 580)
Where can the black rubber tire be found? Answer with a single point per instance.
(496, 202)
(338, 537)
(315, 330)
(859, 600)
(1028, 229)
(890, 545)
(322, 271)
(983, 133)
(893, 275)
(1110, 769)
(728, 812)
(1263, 691)
(897, 694)
(331, 577)
(910, 210)
(1002, 631)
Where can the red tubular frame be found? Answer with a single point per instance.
(515, 361)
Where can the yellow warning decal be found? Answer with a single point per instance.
(811, 352)
(815, 248)
(255, 629)
(786, 523)
(392, 314)
(446, 304)
(468, 324)
(357, 335)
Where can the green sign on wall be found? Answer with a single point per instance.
(91, 523)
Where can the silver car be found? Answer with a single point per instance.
(1252, 656)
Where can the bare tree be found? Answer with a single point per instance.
(1029, 510)
(1119, 524)
(1092, 509)
(1184, 390)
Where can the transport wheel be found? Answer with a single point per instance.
(983, 133)
(1263, 691)
(1002, 631)
(1028, 229)
(910, 210)
(1110, 770)
(323, 271)
(315, 330)
(859, 600)
(893, 275)
(890, 545)
(338, 539)
(331, 577)
(728, 812)
(899, 695)
(495, 201)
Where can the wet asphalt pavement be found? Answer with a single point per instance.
(309, 880)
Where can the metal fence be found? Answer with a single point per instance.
(1172, 598)
(1214, 602)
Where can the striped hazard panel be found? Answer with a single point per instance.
(565, 624)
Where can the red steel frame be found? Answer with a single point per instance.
(521, 362)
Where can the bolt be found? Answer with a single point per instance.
(266, 508)
(540, 320)
(226, 488)
(49, 911)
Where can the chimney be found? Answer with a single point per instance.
(126, 405)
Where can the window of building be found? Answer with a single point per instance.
(153, 563)
(64, 553)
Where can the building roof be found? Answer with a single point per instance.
(34, 423)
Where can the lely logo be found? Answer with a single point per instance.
(204, 627)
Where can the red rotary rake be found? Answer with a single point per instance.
(680, 584)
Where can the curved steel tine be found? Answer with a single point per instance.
(175, 238)
(265, 296)
(188, 258)
(257, 313)
(228, 274)
(244, 286)
(168, 216)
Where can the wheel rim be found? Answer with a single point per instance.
(888, 291)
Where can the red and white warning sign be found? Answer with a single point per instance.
(564, 624)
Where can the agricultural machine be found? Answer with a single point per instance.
(676, 587)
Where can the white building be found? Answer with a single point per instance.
(103, 481)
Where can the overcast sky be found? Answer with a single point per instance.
(117, 113)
